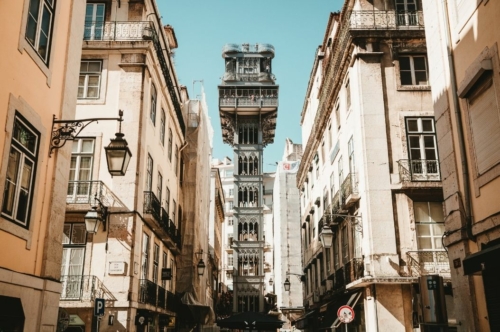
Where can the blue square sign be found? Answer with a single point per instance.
(99, 307)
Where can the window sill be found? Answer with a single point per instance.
(414, 88)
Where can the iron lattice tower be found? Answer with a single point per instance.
(248, 108)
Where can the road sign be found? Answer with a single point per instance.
(345, 314)
(99, 307)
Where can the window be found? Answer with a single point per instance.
(229, 173)
(413, 70)
(429, 220)
(348, 95)
(152, 112)
(39, 26)
(340, 169)
(231, 192)
(484, 123)
(162, 127)
(74, 240)
(156, 263)
(176, 159)
(80, 170)
(171, 282)
(332, 185)
(352, 164)
(229, 259)
(145, 256)
(94, 21)
(149, 174)
(159, 186)
(170, 145)
(345, 244)
(164, 266)
(167, 201)
(230, 222)
(90, 79)
(422, 147)
(174, 208)
(406, 12)
(337, 115)
(21, 169)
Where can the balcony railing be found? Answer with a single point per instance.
(83, 288)
(148, 292)
(152, 205)
(162, 297)
(117, 31)
(170, 301)
(83, 192)
(349, 187)
(248, 102)
(386, 19)
(419, 170)
(425, 262)
(351, 271)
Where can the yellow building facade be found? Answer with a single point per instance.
(40, 61)
(464, 66)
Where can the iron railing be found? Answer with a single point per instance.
(118, 31)
(152, 205)
(349, 186)
(425, 262)
(162, 297)
(148, 292)
(170, 301)
(386, 20)
(349, 272)
(83, 192)
(248, 102)
(83, 288)
(419, 170)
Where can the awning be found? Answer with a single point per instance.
(330, 319)
(473, 263)
(75, 320)
(252, 320)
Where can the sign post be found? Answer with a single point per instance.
(98, 310)
(345, 315)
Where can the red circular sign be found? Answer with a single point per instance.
(345, 314)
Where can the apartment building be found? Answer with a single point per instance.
(41, 48)
(128, 262)
(463, 64)
(371, 195)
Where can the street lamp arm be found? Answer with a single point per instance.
(64, 130)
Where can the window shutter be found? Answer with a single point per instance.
(485, 126)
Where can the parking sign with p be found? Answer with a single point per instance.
(99, 307)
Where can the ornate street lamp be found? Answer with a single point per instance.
(201, 267)
(326, 237)
(287, 285)
(94, 217)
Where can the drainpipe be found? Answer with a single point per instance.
(460, 131)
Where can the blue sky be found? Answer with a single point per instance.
(294, 27)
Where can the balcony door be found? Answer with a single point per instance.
(406, 12)
(80, 173)
(72, 280)
(422, 148)
(94, 21)
(429, 222)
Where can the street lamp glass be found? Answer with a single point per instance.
(326, 237)
(118, 155)
(201, 267)
(92, 220)
(287, 285)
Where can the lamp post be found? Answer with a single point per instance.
(117, 152)
(287, 283)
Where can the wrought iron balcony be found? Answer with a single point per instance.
(118, 31)
(419, 170)
(83, 288)
(171, 301)
(148, 292)
(248, 102)
(425, 262)
(386, 20)
(152, 205)
(162, 297)
(83, 192)
(354, 270)
(349, 189)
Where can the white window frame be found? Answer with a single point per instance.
(94, 24)
(149, 173)
(79, 189)
(162, 127)
(423, 169)
(412, 69)
(87, 74)
(35, 32)
(154, 99)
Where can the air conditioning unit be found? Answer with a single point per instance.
(316, 296)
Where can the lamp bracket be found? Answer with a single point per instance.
(104, 211)
(64, 130)
(354, 221)
(298, 275)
